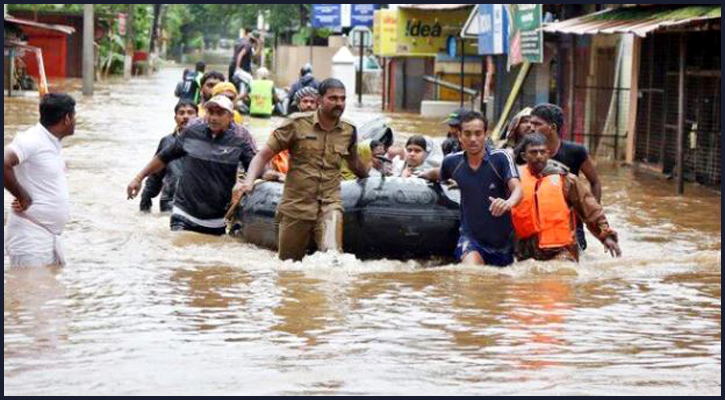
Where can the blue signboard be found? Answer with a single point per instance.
(326, 15)
(342, 15)
(362, 14)
(493, 29)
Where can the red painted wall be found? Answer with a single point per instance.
(54, 47)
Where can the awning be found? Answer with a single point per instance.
(68, 30)
(435, 7)
(639, 20)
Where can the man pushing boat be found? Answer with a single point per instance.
(318, 142)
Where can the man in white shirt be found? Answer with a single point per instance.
(34, 173)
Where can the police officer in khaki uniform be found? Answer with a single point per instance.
(318, 141)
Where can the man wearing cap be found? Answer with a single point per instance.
(211, 151)
(318, 142)
(452, 144)
(228, 90)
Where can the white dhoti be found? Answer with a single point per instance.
(29, 244)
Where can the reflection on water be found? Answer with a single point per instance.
(141, 310)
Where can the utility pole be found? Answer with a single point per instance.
(679, 162)
(155, 28)
(361, 36)
(463, 72)
(128, 60)
(88, 61)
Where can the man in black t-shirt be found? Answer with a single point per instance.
(211, 152)
(548, 119)
(244, 49)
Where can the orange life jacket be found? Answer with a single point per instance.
(280, 162)
(543, 211)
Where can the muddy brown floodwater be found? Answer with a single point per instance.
(140, 310)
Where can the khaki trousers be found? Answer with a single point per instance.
(295, 234)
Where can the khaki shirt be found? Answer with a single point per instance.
(314, 174)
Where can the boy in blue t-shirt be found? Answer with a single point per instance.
(490, 187)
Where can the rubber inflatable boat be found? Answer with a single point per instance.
(385, 217)
(395, 218)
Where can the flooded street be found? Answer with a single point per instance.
(142, 310)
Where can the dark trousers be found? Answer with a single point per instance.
(581, 238)
(179, 223)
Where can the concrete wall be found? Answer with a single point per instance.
(290, 59)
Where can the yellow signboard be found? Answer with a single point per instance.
(385, 27)
(426, 32)
(415, 32)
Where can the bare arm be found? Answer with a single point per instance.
(154, 166)
(591, 174)
(256, 169)
(10, 161)
(500, 206)
(514, 186)
(579, 197)
(433, 175)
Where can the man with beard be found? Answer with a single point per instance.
(318, 142)
(548, 119)
(165, 181)
(544, 219)
(306, 80)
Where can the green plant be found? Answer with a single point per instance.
(111, 54)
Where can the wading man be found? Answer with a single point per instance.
(211, 150)
(318, 142)
(548, 119)
(34, 174)
(490, 187)
(166, 180)
(544, 219)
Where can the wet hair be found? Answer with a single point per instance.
(200, 66)
(212, 74)
(54, 107)
(329, 83)
(551, 113)
(532, 139)
(471, 115)
(417, 140)
(185, 103)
